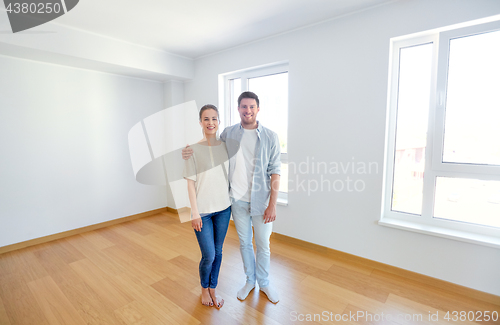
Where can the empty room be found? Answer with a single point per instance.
(250, 162)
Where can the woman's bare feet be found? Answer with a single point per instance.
(206, 298)
(218, 301)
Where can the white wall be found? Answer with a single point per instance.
(174, 95)
(65, 160)
(338, 88)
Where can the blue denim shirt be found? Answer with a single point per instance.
(267, 162)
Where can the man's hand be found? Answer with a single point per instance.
(187, 152)
(196, 222)
(270, 213)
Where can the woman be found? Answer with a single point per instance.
(206, 175)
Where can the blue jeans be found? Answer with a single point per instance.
(254, 270)
(211, 238)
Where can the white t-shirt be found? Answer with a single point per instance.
(241, 183)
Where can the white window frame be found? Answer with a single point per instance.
(434, 167)
(244, 75)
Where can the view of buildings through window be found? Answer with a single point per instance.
(446, 145)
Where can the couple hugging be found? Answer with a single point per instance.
(238, 173)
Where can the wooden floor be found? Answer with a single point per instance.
(146, 272)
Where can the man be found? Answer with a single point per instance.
(254, 176)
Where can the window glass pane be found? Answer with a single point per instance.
(472, 132)
(468, 200)
(235, 91)
(411, 127)
(284, 176)
(273, 101)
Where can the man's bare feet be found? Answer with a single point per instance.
(206, 299)
(218, 301)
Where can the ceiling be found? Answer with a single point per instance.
(194, 28)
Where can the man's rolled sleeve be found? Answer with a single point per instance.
(274, 166)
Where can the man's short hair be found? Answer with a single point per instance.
(248, 94)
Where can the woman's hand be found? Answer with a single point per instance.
(196, 222)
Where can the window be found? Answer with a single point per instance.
(270, 83)
(442, 172)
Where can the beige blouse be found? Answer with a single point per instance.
(208, 168)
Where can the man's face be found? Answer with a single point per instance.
(248, 110)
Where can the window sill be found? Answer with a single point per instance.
(282, 201)
(468, 237)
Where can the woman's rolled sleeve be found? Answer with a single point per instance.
(189, 171)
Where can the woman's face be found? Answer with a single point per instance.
(209, 121)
